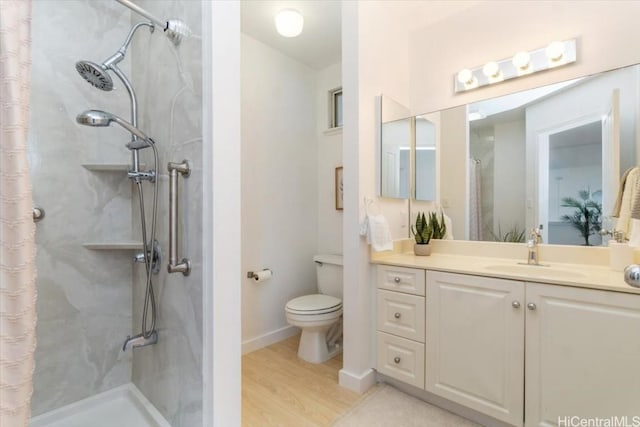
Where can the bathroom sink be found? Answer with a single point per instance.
(536, 271)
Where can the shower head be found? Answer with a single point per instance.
(100, 118)
(95, 74)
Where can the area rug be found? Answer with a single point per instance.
(386, 406)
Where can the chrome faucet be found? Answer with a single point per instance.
(139, 341)
(535, 238)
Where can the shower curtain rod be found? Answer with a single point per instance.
(174, 29)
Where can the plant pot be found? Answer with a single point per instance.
(422, 250)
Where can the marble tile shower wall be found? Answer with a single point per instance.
(84, 303)
(168, 81)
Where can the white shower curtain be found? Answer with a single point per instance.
(475, 200)
(17, 230)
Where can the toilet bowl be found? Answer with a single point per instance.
(319, 316)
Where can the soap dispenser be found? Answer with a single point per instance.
(620, 253)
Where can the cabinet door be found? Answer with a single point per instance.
(475, 343)
(583, 355)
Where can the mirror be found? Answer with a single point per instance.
(425, 159)
(396, 135)
(534, 157)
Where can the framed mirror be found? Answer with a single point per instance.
(535, 157)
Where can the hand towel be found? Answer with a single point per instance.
(629, 189)
(376, 228)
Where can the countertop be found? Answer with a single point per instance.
(591, 275)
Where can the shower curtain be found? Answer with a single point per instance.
(17, 230)
(475, 200)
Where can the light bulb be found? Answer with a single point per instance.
(555, 51)
(465, 76)
(521, 60)
(491, 70)
(289, 22)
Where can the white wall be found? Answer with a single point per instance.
(329, 157)
(279, 187)
(496, 30)
(375, 60)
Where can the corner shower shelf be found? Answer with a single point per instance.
(114, 246)
(108, 167)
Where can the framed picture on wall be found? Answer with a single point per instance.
(339, 189)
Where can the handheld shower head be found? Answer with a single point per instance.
(102, 119)
(95, 74)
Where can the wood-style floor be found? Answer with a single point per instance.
(278, 389)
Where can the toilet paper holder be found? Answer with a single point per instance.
(253, 275)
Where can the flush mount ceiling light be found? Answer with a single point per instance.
(556, 54)
(289, 22)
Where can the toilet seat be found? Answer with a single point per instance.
(313, 305)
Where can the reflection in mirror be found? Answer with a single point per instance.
(425, 159)
(396, 133)
(545, 155)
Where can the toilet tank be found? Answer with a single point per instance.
(329, 274)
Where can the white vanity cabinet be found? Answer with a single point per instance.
(582, 354)
(401, 323)
(475, 343)
(577, 350)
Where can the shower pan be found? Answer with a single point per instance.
(119, 336)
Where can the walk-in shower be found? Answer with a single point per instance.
(105, 142)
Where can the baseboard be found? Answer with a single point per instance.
(358, 383)
(269, 338)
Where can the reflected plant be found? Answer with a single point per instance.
(587, 218)
(514, 235)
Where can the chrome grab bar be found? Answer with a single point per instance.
(184, 266)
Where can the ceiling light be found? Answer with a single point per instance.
(289, 22)
(465, 76)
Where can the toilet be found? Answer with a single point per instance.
(320, 315)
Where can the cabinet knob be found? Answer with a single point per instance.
(397, 315)
(515, 304)
(396, 279)
(396, 359)
(531, 306)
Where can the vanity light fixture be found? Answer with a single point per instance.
(523, 63)
(289, 22)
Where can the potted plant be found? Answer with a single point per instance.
(422, 232)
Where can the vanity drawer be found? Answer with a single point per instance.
(401, 359)
(401, 314)
(401, 279)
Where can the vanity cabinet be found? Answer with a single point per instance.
(475, 343)
(401, 324)
(582, 354)
(523, 353)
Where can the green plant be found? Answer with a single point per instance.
(587, 216)
(514, 235)
(422, 230)
(438, 227)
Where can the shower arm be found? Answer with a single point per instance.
(173, 28)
